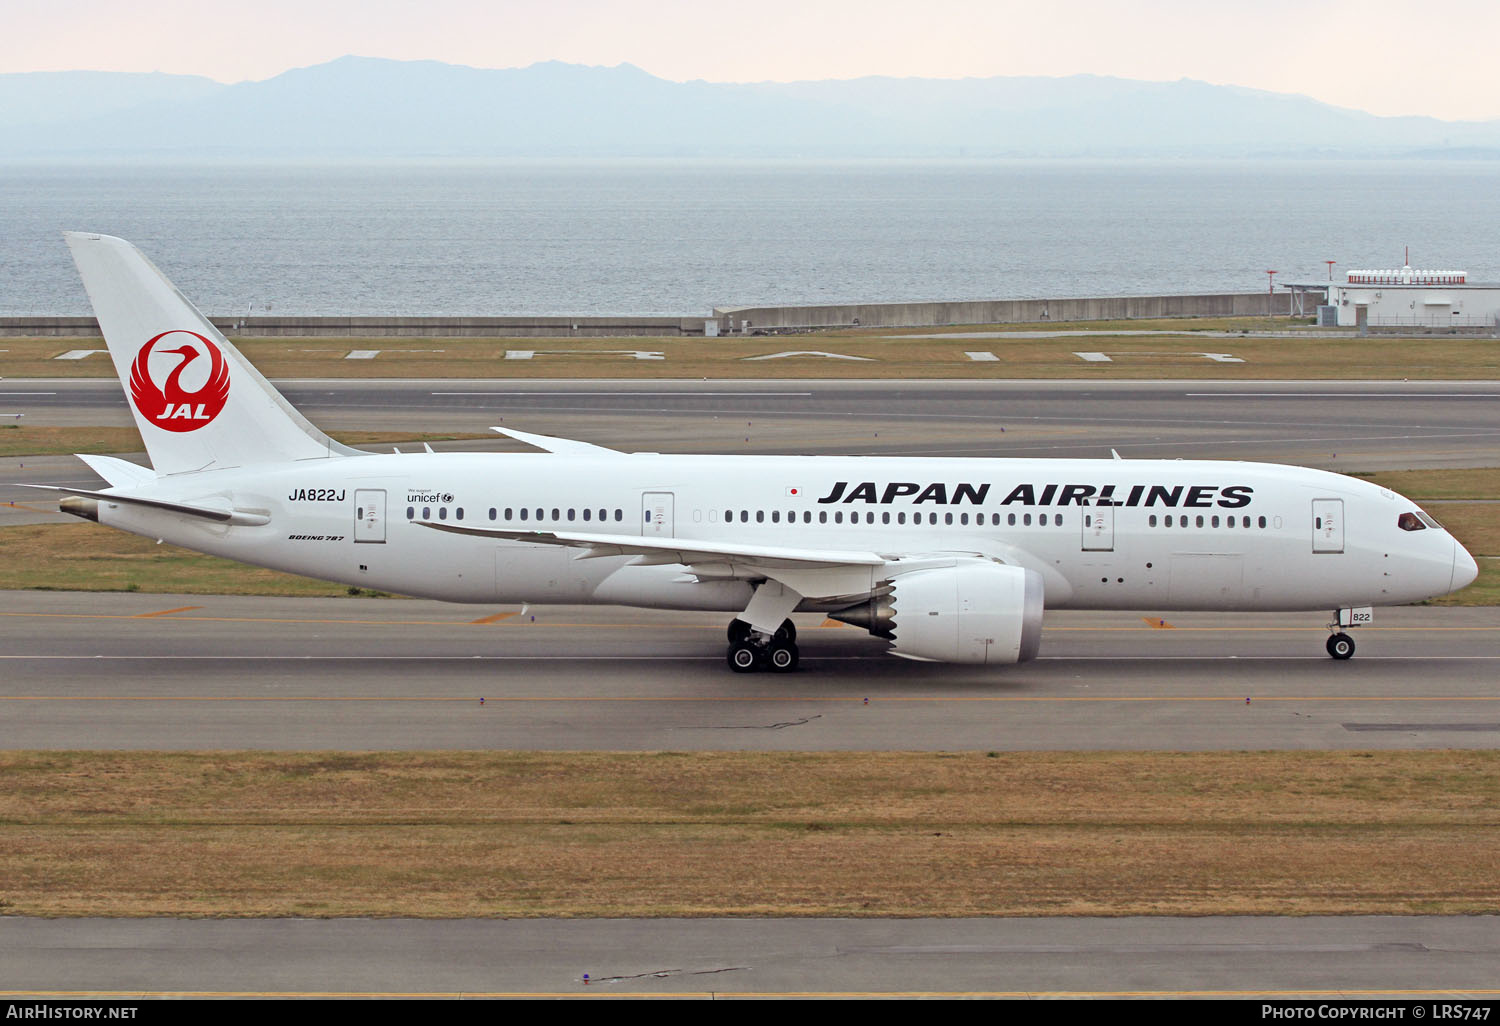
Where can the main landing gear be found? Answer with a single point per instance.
(750, 650)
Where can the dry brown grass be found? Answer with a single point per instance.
(674, 834)
(75, 556)
(1443, 485)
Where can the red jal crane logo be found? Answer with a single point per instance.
(172, 407)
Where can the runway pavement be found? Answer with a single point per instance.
(116, 671)
(1243, 957)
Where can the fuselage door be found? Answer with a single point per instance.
(369, 515)
(1328, 525)
(1098, 528)
(656, 515)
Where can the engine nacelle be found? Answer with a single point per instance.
(975, 612)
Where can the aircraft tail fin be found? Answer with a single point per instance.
(197, 401)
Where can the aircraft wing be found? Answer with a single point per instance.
(688, 552)
(563, 446)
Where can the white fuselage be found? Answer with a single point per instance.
(1103, 534)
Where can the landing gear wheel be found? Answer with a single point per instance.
(1340, 646)
(744, 657)
(781, 657)
(787, 631)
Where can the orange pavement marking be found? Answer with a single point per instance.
(164, 612)
(1158, 623)
(494, 619)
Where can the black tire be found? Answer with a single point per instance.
(744, 658)
(1341, 646)
(787, 631)
(738, 631)
(782, 657)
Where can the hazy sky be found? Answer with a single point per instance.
(1384, 56)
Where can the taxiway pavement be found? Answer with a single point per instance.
(132, 671)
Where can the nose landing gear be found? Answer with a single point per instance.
(1340, 644)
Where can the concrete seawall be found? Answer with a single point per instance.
(729, 319)
(1000, 311)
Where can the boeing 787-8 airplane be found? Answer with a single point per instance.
(952, 560)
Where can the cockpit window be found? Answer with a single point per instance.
(1410, 522)
(1429, 521)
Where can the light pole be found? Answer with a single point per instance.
(1270, 291)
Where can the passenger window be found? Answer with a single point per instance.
(442, 512)
(1262, 522)
(1057, 520)
(822, 516)
(1200, 519)
(570, 514)
(744, 516)
(458, 514)
(426, 512)
(588, 514)
(555, 513)
(885, 518)
(524, 512)
(1042, 520)
(493, 511)
(807, 516)
(838, 518)
(1011, 520)
(619, 514)
(411, 512)
(1214, 522)
(901, 518)
(964, 519)
(1027, 520)
(775, 516)
(507, 513)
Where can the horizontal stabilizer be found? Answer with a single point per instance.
(116, 471)
(223, 516)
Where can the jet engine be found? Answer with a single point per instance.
(974, 612)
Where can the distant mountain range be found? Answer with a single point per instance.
(363, 108)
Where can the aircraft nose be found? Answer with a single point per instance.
(1464, 568)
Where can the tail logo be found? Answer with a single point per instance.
(171, 407)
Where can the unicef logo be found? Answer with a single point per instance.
(447, 497)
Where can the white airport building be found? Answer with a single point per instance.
(1404, 297)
